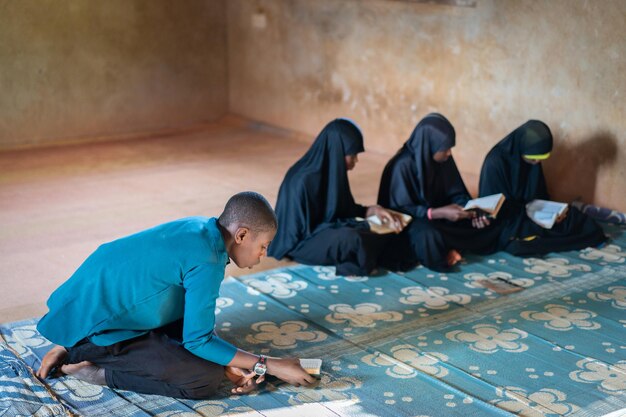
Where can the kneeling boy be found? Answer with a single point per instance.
(139, 313)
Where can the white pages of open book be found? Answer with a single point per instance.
(377, 226)
(544, 212)
(311, 366)
(490, 204)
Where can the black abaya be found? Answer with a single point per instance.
(316, 209)
(505, 171)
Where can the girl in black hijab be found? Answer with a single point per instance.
(513, 167)
(316, 211)
(422, 180)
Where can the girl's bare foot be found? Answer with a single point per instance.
(53, 359)
(453, 257)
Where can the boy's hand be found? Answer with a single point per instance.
(242, 379)
(53, 359)
(290, 371)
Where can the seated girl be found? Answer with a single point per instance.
(513, 167)
(316, 211)
(422, 180)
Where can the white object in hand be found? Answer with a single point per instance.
(311, 366)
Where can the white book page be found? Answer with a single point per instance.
(375, 220)
(489, 202)
(544, 212)
(312, 366)
(547, 206)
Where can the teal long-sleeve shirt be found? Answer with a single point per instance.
(144, 281)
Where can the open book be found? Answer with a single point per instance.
(544, 212)
(378, 227)
(490, 204)
(311, 366)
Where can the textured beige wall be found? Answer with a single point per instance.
(72, 69)
(488, 68)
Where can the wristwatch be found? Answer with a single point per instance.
(260, 368)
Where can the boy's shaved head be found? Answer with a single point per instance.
(251, 210)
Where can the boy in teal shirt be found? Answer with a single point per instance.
(139, 313)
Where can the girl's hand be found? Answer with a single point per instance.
(480, 222)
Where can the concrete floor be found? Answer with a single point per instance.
(58, 204)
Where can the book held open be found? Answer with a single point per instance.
(490, 204)
(544, 212)
(378, 227)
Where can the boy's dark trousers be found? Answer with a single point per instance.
(155, 363)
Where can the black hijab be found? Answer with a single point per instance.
(504, 170)
(413, 181)
(315, 190)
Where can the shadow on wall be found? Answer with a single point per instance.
(572, 171)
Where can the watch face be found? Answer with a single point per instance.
(260, 368)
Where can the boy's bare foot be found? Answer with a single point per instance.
(85, 371)
(53, 359)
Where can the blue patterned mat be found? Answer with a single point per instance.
(415, 344)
